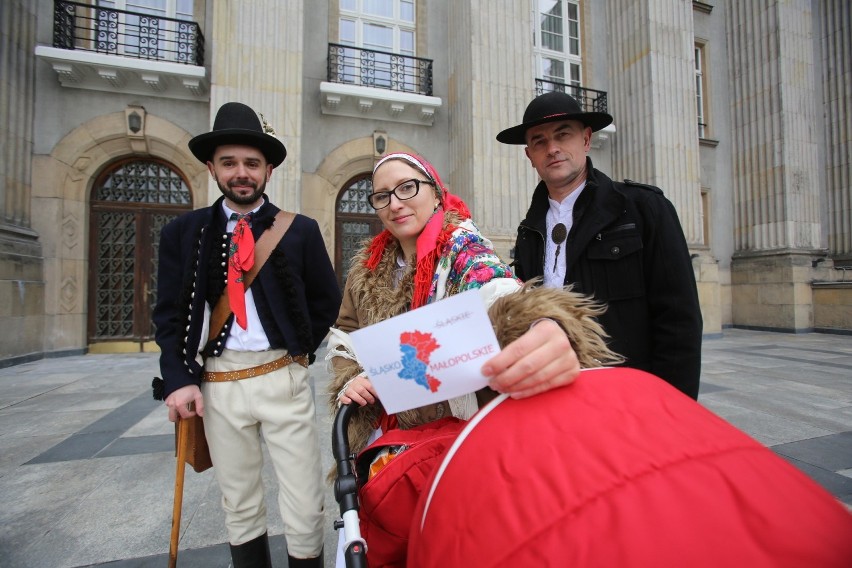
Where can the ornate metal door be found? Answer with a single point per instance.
(131, 202)
(354, 221)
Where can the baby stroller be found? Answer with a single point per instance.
(346, 490)
(378, 489)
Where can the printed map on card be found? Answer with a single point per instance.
(430, 354)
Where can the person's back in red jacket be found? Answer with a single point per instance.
(620, 469)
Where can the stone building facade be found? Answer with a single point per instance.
(739, 111)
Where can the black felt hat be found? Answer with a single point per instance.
(237, 123)
(551, 107)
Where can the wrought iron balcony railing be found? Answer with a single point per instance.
(590, 100)
(130, 34)
(380, 69)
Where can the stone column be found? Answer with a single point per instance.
(21, 262)
(257, 50)
(775, 156)
(652, 98)
(491, 82)
(835, 26)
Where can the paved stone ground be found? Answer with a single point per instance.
(87, 468)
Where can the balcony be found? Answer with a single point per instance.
(590, 101)
(120, 51)
(373, 84)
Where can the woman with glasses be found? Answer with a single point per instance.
(431, 249)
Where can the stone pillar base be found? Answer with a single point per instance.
(21, 293)
(772, 290)
(706, 270)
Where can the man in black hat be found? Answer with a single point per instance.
(240, 312)
(619, 242)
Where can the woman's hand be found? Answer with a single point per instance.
(539, 360)
(359, 390)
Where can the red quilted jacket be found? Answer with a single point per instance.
(620, 469)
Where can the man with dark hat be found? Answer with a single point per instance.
(619, 242)
(240, 312)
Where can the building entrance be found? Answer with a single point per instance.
(131, 202)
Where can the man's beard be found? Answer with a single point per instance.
(235, 197)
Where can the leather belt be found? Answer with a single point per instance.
(221, 376)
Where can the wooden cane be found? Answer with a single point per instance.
(182, 433)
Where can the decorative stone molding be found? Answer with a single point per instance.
(153, 81)
(68, 294)
(602, 137)
(104, 72)
(70, 231)
(195, 87)
(67, 73)
(114, 78)
(378, 104)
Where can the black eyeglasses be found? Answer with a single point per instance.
(405, 190)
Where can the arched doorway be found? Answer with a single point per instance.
(354, 221)
(130, 203)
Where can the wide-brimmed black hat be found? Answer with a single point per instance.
(551, 107)
(237, 123)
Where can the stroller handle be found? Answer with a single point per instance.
(346, 489)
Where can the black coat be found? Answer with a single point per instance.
(627, 249)
(296, 291)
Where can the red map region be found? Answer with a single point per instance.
(424, 344)
(433, 383)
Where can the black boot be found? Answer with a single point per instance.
(252, 554)
(315, 562)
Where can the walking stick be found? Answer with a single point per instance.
(182, 432)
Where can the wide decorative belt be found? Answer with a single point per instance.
(221, 376)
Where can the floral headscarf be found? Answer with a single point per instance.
(433, 234)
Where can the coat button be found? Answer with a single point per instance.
(615, 251)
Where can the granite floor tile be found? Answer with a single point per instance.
(832, 452)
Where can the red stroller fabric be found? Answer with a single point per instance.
(620, 469)
(389, 498)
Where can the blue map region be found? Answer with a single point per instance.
(413, 369)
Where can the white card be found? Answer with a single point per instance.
(430, 354)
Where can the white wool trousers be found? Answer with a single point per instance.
(280, 406)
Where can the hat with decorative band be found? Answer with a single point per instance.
(237, 123)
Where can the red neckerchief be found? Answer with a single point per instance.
(240, 261)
